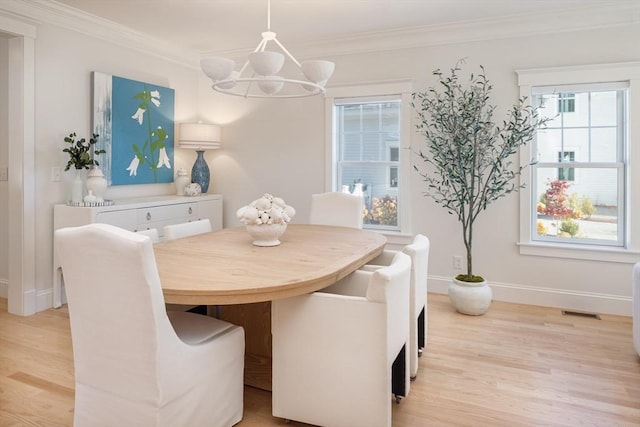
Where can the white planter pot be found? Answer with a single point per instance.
(470, 298)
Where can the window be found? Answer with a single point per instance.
(567, 103)
(367, 136)
(370, 128)
(577, 202)
(590, 211)
(566, 174)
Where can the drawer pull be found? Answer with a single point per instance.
(190, 210)
(148, 216)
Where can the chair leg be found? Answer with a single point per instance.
(398, 378)
(421, 332)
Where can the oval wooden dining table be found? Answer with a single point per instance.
(224, 269)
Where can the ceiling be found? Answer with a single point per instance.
(213, 26)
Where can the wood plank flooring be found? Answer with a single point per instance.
(517, 365)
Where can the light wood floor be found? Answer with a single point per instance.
(517, 365)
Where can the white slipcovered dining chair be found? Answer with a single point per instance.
(152, 233)
(178, 231)
(186, 229)
(135, 365)
(635, 282)
(418, 250)
(339, 354)
(335, 208)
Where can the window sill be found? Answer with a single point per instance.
(594, 253)
(396, 238)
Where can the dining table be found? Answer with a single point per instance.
(238, 280)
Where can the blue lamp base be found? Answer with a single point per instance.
(200, 172)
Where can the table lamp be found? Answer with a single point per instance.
(200, 136)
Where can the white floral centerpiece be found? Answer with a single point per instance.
(266, 219)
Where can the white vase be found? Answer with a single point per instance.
(266, 234)
(182, 180)
(96, 183)
(470, 298)
(77, 188)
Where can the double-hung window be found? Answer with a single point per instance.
(369, 137)
(578, 199)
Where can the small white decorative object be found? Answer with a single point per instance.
(96, 184)
(357, 191)
(182, 180)
(90, 198)
(192, 189)
(345, 189)
(266, 219)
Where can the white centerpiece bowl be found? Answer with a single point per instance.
(266, 219)
(266, 234)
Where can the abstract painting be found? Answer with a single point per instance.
(135, 124)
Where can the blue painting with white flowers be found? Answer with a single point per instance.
(135, 121)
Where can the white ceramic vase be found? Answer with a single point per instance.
(182, 180)
(77, 188)
(470, 298)
(96, 184)
(266, 234)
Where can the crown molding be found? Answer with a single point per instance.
(542, 23)
(54, 13)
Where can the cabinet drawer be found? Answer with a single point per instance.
(185, 211)
(123, 219)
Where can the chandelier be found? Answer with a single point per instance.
(258, 77)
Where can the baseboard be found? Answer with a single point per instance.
(4, 288)
(547, 297)
(507, 292)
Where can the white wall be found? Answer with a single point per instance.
(64, 62)
(278, 146)
(4, 163)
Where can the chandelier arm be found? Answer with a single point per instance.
(287, 52)
(250, 80)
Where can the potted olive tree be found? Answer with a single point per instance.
(468, 162)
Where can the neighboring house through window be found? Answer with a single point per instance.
(578, 198)
(370, 128)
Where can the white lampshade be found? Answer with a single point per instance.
(202, 136)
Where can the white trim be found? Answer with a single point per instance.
(59, 14)
(21, 56)
(375, 90)
(530, 24)
(4, 288)
(596, 73)
(547, 297)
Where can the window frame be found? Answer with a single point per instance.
(583, 75)
(367, 92)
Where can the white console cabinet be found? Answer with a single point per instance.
(135, 214)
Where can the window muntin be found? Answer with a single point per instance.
(368, 141)
(581, 166)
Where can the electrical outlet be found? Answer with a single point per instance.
(457, 262)
(55, 174)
